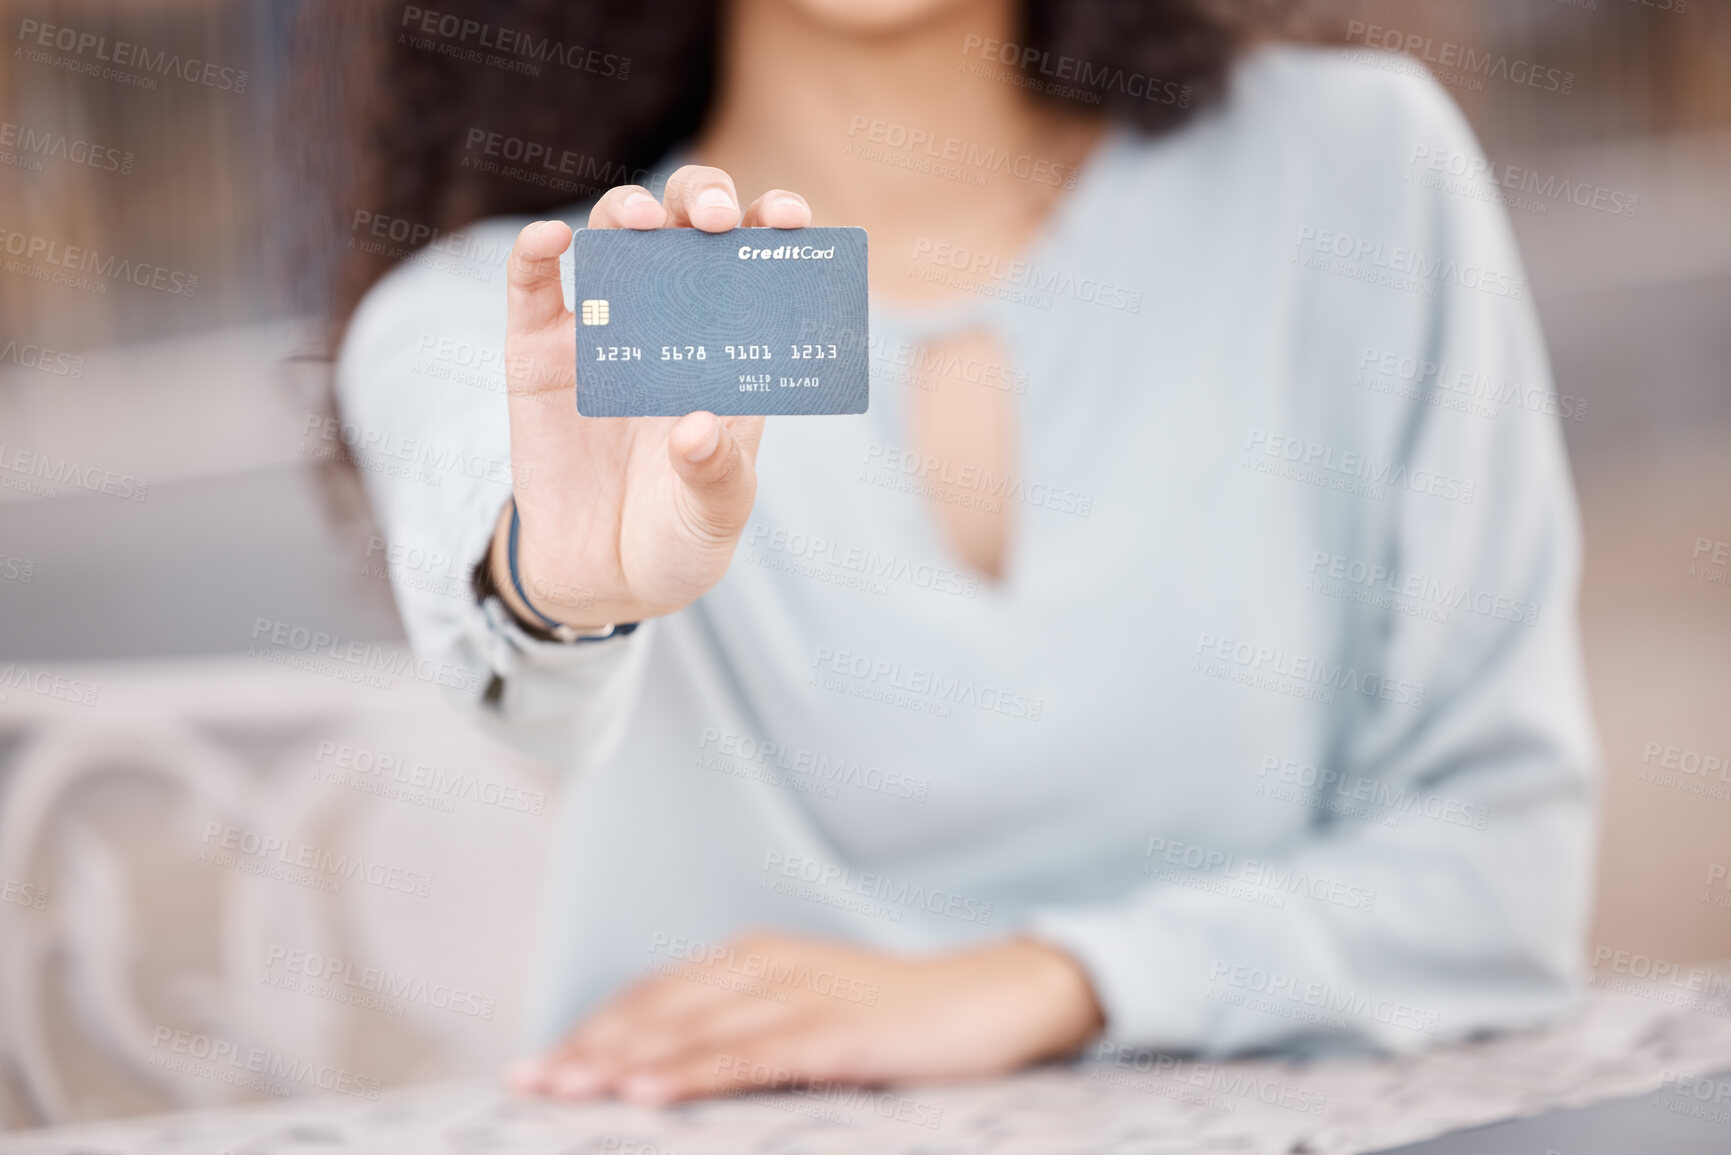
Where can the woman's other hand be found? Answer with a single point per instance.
(769, 1010)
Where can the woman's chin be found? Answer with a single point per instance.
(876, 17)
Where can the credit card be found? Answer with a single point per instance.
(672, 321)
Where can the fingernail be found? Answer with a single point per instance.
(526, 1075)
(632, 200)
(574, 1082)
(645, 1090)
(707, 446)
(716, 198)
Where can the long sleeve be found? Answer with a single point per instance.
(1442, 884)
(421, 390)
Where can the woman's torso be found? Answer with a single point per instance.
(852, 735)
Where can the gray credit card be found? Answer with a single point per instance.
(671, 321)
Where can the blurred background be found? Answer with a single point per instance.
(162, 515)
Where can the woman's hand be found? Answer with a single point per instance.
(623, 518)
(770, 1010)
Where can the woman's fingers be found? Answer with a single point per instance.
(699, 444)
(748, 430)
(628, 206)
(718, 471)
(778, 209)
(657, 1037)
(613, 1023)
(584, 1063)
(681, 1046)
(702, 198)
(710, 1024)
(532, 293)
(797, 1051)
(698, 197)
(694, 442)
(711, 1029)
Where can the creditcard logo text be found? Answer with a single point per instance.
(787, 253)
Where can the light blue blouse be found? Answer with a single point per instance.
(1277, 720)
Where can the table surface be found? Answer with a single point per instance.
(1624, 1041)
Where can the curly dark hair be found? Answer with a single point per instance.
(609, 86)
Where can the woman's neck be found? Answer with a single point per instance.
(895, 131)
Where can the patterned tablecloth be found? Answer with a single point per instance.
(1632, 1040)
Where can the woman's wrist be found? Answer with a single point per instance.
(511, 590)
(1056, 980)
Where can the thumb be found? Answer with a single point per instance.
(716, 460)
(534, 296)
